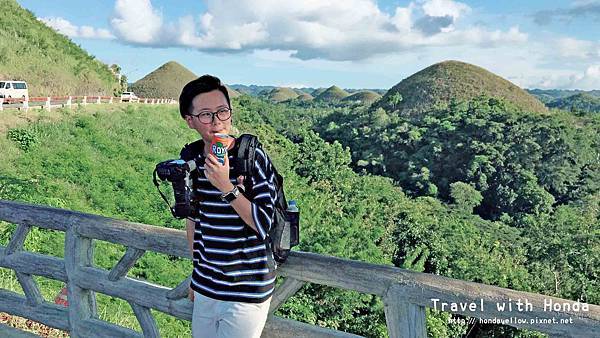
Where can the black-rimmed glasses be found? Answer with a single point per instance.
(207, 117)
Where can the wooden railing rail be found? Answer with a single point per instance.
(405, 293)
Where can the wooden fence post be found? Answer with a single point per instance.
(82, 303)
(404, 320)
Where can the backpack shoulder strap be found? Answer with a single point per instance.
(247, 145)
(190, 151)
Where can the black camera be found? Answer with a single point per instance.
(178, 173)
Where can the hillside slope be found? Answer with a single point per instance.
(440, 83)
(581, 102)
(49, 62)
(281, 94)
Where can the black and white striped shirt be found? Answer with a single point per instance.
(230, 258)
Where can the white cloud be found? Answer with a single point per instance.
(590, 79)
(137, 21)
(65, 27)
(312, 29)
(581, 49)
(445, 8)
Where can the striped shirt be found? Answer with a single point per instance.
(230, 258)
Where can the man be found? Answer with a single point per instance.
(231, 283)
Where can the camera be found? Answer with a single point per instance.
(178, 173)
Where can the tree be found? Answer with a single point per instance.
(464, 196)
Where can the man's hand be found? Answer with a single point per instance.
(217, 173)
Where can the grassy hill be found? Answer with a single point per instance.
(167, 81)
(332, 94)
(365, 96)
(305, 97)
(317, 92)
(548, 95)
(581, 102)
(49, 62)
(281, 94)
(437, 85)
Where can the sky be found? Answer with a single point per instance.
(349, 43)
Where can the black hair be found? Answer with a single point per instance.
(203, 84)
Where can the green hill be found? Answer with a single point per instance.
(548, 95)
(305, 97)
(582, 102)
(365, 96)
(49, 62)
(317, 92)
(437, 85)
(332, 94)
(281, 94)
(167, 81)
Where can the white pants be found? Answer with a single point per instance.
(220, 319)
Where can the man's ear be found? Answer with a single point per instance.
(188, 120)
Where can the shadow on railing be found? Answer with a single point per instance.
(405, 293)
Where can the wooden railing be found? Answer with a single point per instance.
(50, 102)
(405, 293)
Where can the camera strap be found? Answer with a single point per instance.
(157, 184)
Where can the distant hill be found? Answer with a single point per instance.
(281, 94)
(548, 95)
(581, 102)
(438, 84)
(167, 81)
(365, 96)
(51, 64)
(332, 94)
(317, 92)
(252, 90)
(305, 97)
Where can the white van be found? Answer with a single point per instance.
(14, 90)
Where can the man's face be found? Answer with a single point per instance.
(209, 102)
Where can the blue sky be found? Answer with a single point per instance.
(349, 43)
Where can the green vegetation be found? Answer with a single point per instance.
(49, 62)
(436, 85)
(578, 103)
(547, 95)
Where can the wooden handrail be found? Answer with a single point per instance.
(405, 293)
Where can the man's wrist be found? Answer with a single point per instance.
(227, 188)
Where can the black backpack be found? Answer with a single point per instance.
(283, 235)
